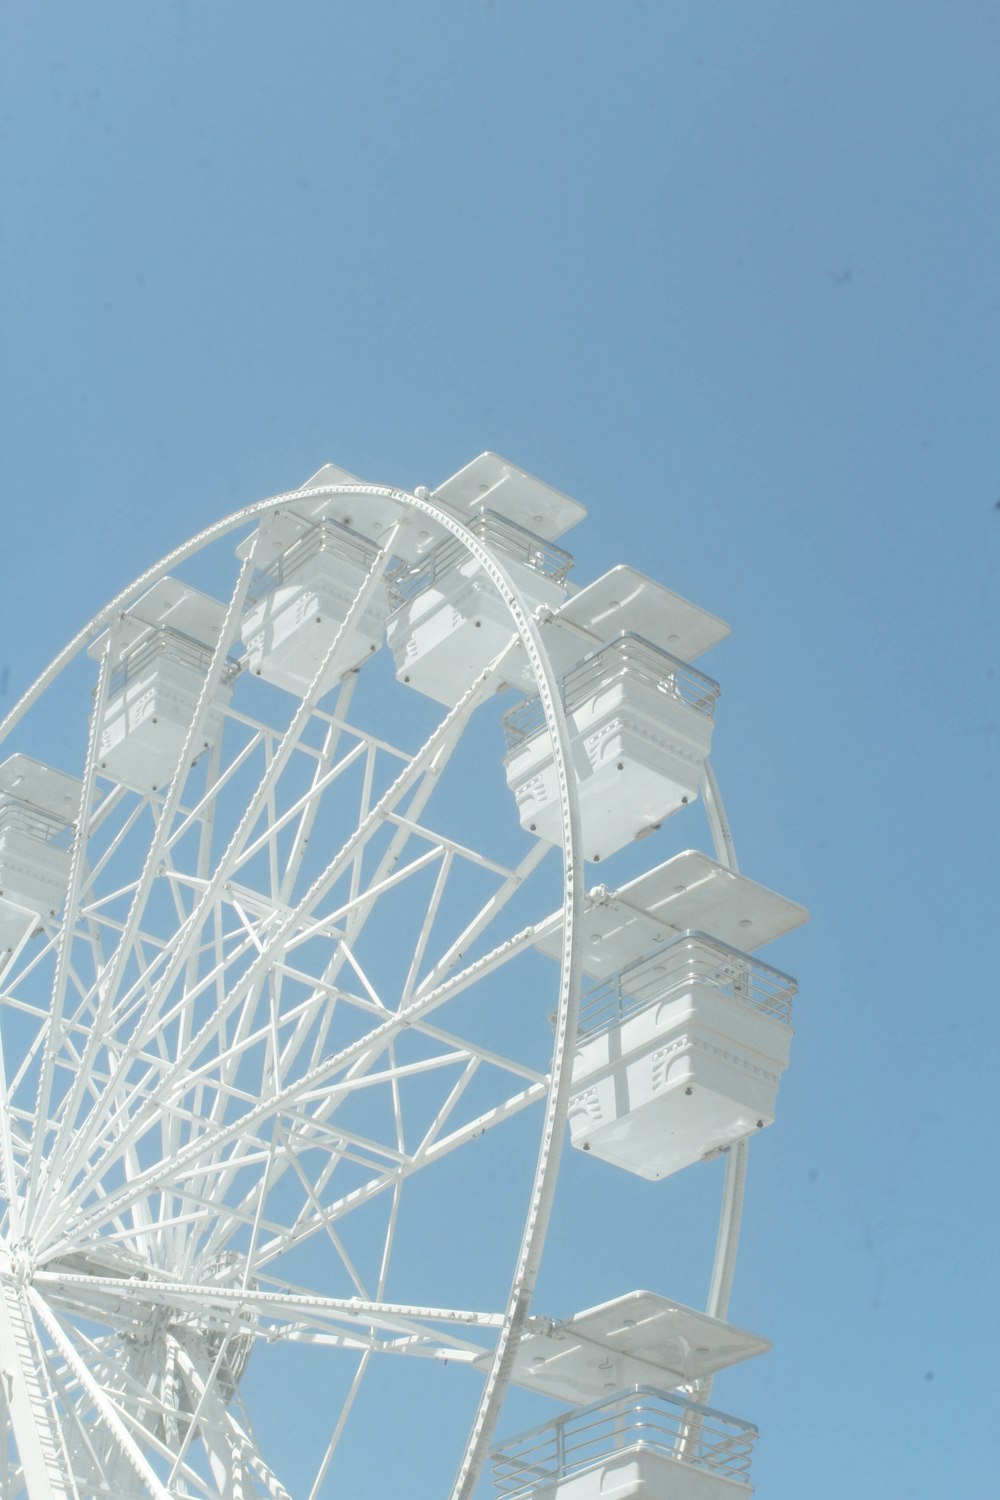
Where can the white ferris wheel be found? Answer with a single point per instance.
(287, 971)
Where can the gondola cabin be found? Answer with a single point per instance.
(161, 649)
(449, 620)
(297, 614)
(679, 1056)
(38, 806)
(311, 560)
(640, 726)
(683, 1038)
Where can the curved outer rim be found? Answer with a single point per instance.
(560, 1079)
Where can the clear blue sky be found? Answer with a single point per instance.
(730, 275)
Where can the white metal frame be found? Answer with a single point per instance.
(119, 1063)
(125, 1122)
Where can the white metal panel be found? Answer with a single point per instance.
(637, 752)
(330, 474)
(275, 534)
(638, 1339)
(494, 482)
(689, 891)
(371, 515)
(146, 722)
(169, 603)
(443, 637)
(43, 786)
(677, 1081)
(33, 873)
(624, 599)
(291, 626)
(637, 1473)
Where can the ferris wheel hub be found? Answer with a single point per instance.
(21, 1264)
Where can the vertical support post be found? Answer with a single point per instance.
(30, 1414)
(560, 1446)
(727, 1242)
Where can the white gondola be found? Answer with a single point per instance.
(642, 1443)
(38, 806)
(299, 602)
(640, 723)
(449, 621)
(679, 1056)
(311, 561)
(160, 653)
(680, 1006)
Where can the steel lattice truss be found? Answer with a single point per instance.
(255, 1025)
(292, 993)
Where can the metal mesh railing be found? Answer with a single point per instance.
(26, 817)
(166, 643)
(325, 536)
(691, 958)
(629, 657)
(641, 1415)
(512, 541)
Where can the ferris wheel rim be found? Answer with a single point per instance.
(553, 1126)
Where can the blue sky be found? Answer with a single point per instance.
(727, 274)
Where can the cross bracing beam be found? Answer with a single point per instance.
(195, 1298)
(213, 1026)
(172, 801)
(194, 1154)
(438, 743)
(258, 801)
